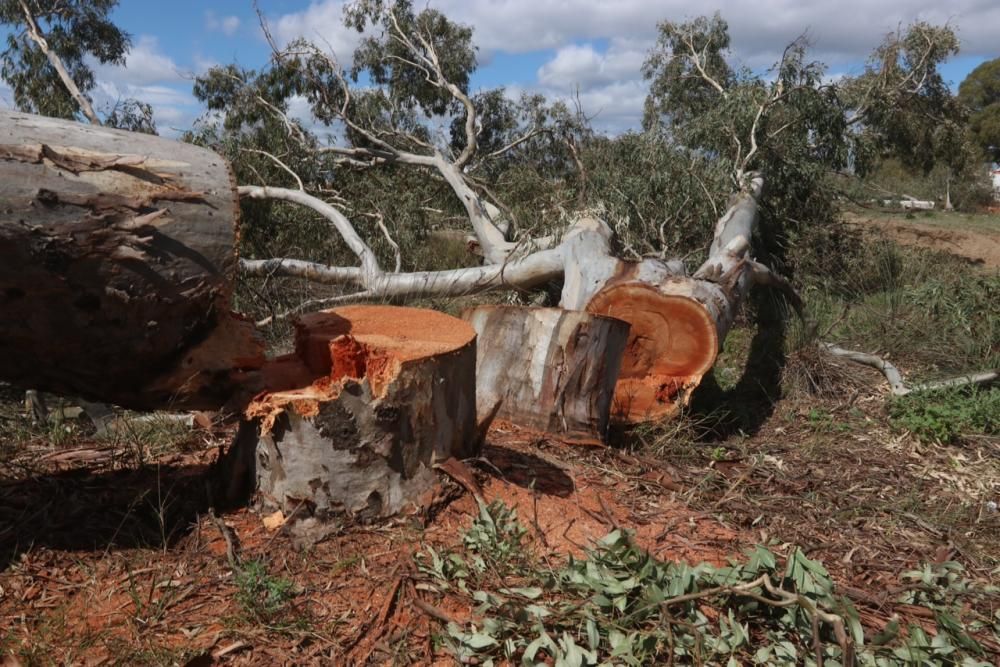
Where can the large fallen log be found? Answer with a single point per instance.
(678, 322)
(354, 420)
(547, 368)
(118, 253)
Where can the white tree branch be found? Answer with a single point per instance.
(38, 38)
(895, 379)
(369, 263)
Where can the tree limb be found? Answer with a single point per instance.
(895, 378)
(369, 263)
(38, 38)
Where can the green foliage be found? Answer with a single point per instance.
(796, 127)
(619, 605)
(388, 63)
(75, 30)
(902, 103)
(947, 415)
(980, 93)
(658, 197)
(132, 115)
(263, 597)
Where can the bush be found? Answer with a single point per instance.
(945, 416)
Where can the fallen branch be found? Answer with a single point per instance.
(895, 378)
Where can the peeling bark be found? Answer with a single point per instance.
(547, 368)
(118, 254)
(353, 422)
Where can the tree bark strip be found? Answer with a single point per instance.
(547, 368)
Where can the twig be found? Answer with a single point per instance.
(434, 612)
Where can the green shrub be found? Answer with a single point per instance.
(945, 416)
(262, 596)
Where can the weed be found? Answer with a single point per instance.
(262, 596)
(947, 415)
(151, 606)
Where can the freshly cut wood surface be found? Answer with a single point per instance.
(353, 421)
(672, 343)
(679, 321)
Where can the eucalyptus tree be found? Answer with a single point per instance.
(46, 62)
(980, 93)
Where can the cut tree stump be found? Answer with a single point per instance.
(118, 253)
(353, 422)
(547, 368)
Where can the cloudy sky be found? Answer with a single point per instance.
(557, 47)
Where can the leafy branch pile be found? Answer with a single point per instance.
(621, 606)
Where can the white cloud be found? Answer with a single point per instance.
(144, 65)
(227, 25)
(322, 23)
(582, 65)
(848, 29)
(609, 79)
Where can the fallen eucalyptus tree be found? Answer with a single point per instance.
(678, 321)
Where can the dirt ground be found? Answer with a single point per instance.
(104, 562)
(980, 245)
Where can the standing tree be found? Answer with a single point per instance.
(46, 65)
(980, 93)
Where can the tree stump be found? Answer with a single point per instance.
(118, 253)
(354, 420)
(548, 368)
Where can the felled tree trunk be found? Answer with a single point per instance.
(547, 368)
(678, 322)
(354, 420)
(118, 251)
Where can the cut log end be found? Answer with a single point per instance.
(672, 343)
(353, 421)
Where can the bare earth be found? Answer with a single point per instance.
(980, 245)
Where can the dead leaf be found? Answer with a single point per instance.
(274, 521)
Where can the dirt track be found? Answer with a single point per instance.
(980, 246)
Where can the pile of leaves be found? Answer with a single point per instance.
(620, 605)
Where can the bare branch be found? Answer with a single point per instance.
(895, 378)
(380, 221)
(517, 142)
(369, 263)
(523, 273)
(280, 163)
(695, 58)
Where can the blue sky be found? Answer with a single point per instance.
(553, 46)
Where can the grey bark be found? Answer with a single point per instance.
(119, 250)
(547, 368)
